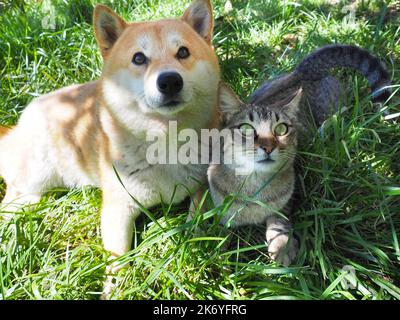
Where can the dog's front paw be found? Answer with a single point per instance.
(110, 290)
(282, 249)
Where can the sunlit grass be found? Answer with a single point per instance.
(348, 212)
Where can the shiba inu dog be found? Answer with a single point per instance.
(154, 72)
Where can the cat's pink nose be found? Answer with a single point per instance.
(267, 144)
(268, 149)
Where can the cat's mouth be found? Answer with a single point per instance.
(266, 160)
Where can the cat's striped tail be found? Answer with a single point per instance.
(317, 65)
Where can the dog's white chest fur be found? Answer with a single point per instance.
(133, 158)
(154, 183)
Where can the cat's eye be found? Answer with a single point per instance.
(183, 53)
(247, 130)
(139, 58)
(281, 129)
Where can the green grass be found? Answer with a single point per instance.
(349, 210)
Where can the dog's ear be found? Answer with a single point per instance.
(200, 17)
(108, 26)
(229, 102)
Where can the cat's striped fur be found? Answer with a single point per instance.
(271, 104)
(270, 178)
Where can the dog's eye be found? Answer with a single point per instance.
(281, 129)
(183, 53)
(139, 58)
(247, 130)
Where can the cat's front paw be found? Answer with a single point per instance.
(282, 249)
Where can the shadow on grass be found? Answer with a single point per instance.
(255, 62)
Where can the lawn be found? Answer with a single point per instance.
(348, 212)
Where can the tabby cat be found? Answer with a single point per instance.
(275, 120)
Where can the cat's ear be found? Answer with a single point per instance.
(293, 106)
(229, 102)
(108, 26)
(200, 17)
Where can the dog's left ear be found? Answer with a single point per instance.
(200, 17)
(108, 26)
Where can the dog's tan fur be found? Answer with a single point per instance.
(75, 135)
(4, 131)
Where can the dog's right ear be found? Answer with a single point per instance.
(229, 102)
(200, 17)
(108, 26)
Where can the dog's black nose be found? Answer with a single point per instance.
(169, 83)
